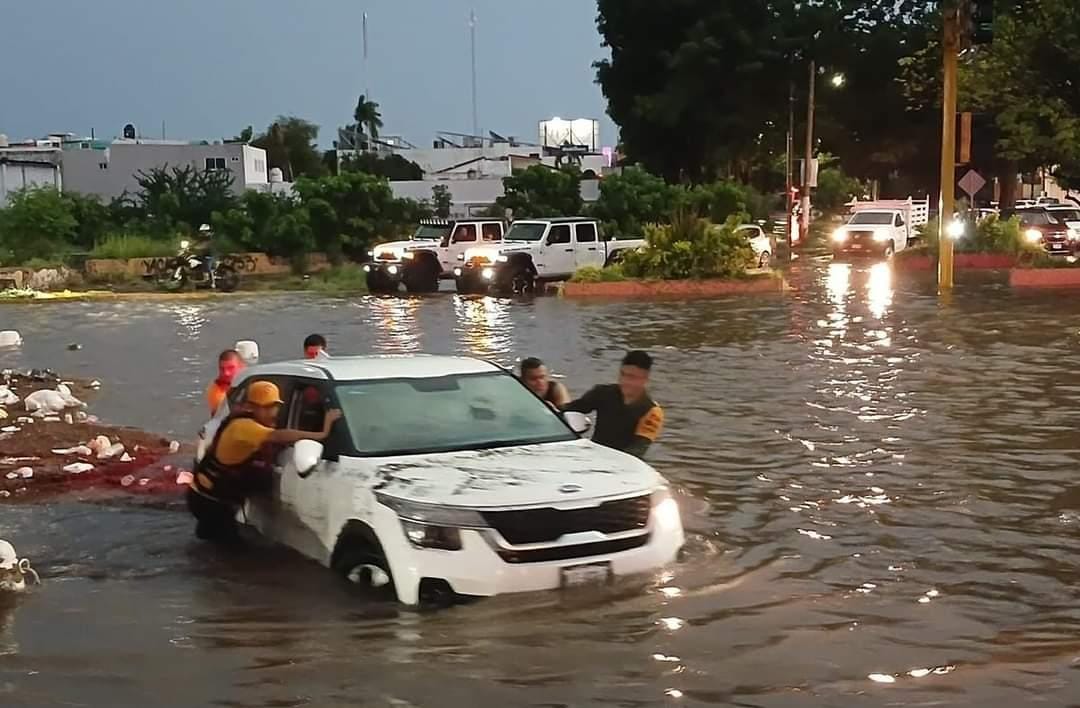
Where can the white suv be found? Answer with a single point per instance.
(448, 477)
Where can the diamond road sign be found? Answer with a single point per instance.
(972, 182)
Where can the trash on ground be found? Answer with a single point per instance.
(78, 467)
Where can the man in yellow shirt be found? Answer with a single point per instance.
(237, 463)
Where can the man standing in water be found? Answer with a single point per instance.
(537, 379)
(229, 365)
(627, 418)
(235, 465)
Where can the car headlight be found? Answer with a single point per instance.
(392, 270)
(1033, 235)
(408, 255)
(665, 509)
(367, 268)
(840, 235)
(432, 514)
(487, 273)
(882, 236)
(1074, 234)
(443, 538)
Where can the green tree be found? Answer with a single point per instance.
(368, 117)
(182, 198)
(632, 199)
(835, 189)
(392, 167)
(36, 224)
(291, 145)
(540, 191)
(441, 200)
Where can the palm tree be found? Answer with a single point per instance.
(367, 117)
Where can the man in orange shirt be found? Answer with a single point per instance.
(229, 365)
(230, 471)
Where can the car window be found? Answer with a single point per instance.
(285, 386)
(462, 412)
(465, 233)
(586, 233)
(559, 234)
(491, 232)
(871, 218)
(899, 220)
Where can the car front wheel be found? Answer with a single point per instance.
(365, 569)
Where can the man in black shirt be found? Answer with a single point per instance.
(627, 418)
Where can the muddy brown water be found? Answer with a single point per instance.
(881, 491)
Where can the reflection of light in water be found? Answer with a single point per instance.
(484, 325)
(879, 289)
(838, 282)
(672, 623)
(394, 322)
(190, 320)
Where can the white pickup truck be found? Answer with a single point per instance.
(536, 251)
(880, 228)
(430, 255)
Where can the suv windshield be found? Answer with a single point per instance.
(1066, 214)
(872, 218)
(431, 232)
(1036, 218)
(525, 232)
(444, 414)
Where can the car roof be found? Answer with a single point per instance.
(352, 368)
(558, 220)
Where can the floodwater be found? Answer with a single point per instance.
(881, 490)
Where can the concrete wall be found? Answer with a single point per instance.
(21, 174)
(108, 173)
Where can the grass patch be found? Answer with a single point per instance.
(125, 246)
(592, 274)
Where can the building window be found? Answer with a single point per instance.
(214, 164)
(103, 165)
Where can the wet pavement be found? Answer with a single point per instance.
(881, 491)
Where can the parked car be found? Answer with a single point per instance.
(761, 243)
(536, 251)
(1070, 215)
(880, 228)
(447, 477)
(1041, 227)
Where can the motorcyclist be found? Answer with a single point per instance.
(203, 248)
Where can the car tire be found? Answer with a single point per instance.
(379, 284)
(365, 569)
(765, 260)
(422, 277)
(889, 251)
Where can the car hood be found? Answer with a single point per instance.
(515, 476)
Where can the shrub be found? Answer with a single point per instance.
(133, 246)
(990, 235)
(691, 247)
(592, 274)
(37, 223)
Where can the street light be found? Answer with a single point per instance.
(838, 80)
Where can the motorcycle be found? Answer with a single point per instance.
(197, 270)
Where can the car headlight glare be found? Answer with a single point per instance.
(882, 236)
(487, 273)
(1033, 235)
(392, 270)
(665, 509)
(839, 236)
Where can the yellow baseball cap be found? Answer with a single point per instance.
(263, 393)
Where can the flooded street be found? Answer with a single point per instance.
(881, 491)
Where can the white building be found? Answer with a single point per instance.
(27, 170)
(107, 170)
(470, 197)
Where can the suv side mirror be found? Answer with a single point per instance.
(578, 422)
(306, 456)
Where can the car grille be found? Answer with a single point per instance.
(862, 236)
(581, 550)
(385, 256)
(546, 525)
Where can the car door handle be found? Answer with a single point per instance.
(591, 249)
(569, 250)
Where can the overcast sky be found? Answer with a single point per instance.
(210, 67)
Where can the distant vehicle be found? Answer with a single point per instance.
(762, 244)
(1047, 201)
(1024, 204)
(880, 228)
(448, 478)
(197, 270)
(537, 251)
(1041, 227)
(1070, 215)
(420, 262)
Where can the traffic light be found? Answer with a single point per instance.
(982, 21)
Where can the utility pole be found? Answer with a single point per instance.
(790, 148)
(472, 37)
(804, 220)
(950, 46)
(367, 80)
